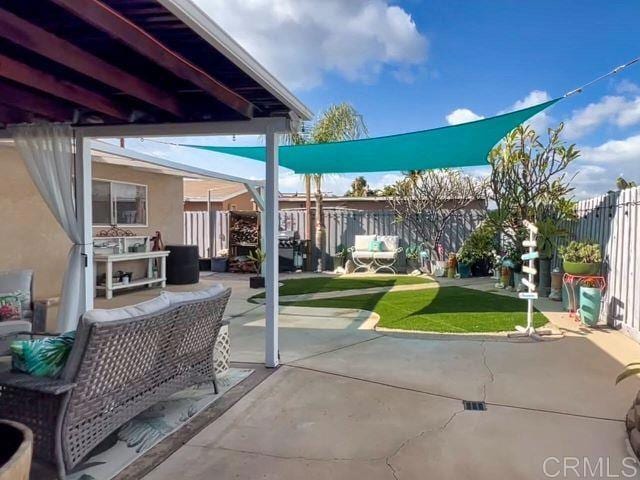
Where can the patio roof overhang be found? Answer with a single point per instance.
(463, 145)
(130, 68)
(118, 62)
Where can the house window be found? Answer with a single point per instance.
(119, 203)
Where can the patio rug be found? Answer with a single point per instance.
(138, 435)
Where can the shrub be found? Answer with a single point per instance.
(479, 246)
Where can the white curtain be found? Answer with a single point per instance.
(48, 152)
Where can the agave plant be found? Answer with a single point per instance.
(258, 257)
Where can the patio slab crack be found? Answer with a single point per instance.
(486, 365)
(440, 429)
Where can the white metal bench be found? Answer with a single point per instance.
(375, 261)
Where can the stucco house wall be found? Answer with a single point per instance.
(31, 238)
(243, 201)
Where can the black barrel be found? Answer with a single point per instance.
(182, 264)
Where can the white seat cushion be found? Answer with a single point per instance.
(362, 254)
(143, 308)
(385, 255)
(362, 242)
(390, 242)
(180, 297)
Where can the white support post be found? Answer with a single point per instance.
(83, 177)
(270, 246)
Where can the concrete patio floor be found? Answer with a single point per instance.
(355, 403)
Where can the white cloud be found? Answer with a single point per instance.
(462, 115)
(630, 114)
(598, 167)
(301, 41)
(540, 122)
(616, 110)
(614, 151)
(627, 86)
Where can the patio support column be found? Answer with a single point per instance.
(270, 227)
(84, 214)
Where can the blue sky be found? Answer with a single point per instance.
(416, 64)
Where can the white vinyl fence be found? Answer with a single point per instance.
(612, 221)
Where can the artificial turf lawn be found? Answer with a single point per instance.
(445, 309)
(331, 284)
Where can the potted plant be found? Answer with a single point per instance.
(465, 260)
(590, 298)
(452, 265)
(581, 258)
(479, 246)
(548, 234)
(513, 260)
(15, 450)
(258, 257)
(341, 256)
(412, 254)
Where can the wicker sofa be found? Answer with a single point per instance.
(122, 362)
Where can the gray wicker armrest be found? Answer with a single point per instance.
(45, 385)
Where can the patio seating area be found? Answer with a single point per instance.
(350, 401)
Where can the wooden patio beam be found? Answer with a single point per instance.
(110, 21)
(45, 82)
(38, 40)
(28, 101)
(10, 115)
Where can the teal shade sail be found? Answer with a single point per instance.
(463, 145)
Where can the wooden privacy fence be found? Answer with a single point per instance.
(612, 221)
(341, 228)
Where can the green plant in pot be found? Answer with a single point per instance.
(590, 298)
(478, 249)
(342, 255)
(412, 254)
(258, 258)
(547, 239)
(581, 258)
(465, 260)
(513, 260)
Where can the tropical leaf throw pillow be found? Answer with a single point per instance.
(376, 246)
(44, 357)
(10, 306)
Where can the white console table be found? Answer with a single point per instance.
(111, 258)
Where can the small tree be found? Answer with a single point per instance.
(529, 181)
(427, 200)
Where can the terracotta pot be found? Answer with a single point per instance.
(505, 278)
(16, 449)
(556, 280)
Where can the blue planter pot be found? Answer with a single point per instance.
(590, 305)
(464, 270)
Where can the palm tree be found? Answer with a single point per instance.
(336, 124)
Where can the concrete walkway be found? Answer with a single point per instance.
(353, 403)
